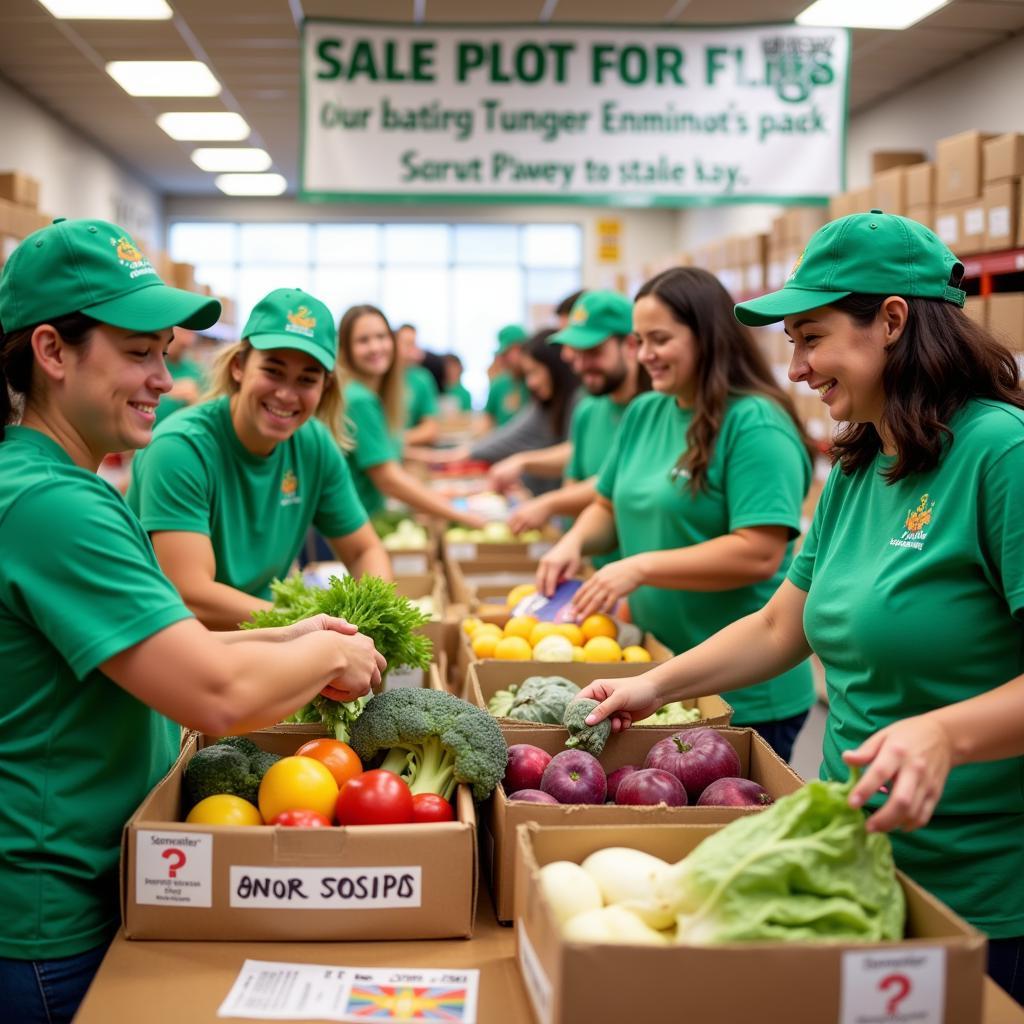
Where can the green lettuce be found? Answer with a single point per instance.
(805, 869)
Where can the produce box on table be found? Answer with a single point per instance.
(496, 540)
(430, 593)
(497, 573)
(412, 546)
(934, 974)
(757, 762)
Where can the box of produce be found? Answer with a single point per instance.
(641, 776)
(428, 594)
(527, 694)
(498, 574)
(795, 914)
(265, 837)
(408, 543)
(495, 540)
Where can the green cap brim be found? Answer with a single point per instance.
(504, 347)
(268, 341)
(578, 336)
(155, 308)
(776, 306)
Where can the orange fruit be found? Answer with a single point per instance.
(483, 644)
(471, 625)
(486, 628)
(572, 632)
(599, 625)
(520, 625)
(541, 630)
(513, 648)
(602, 648)
(635, 653)
(577, 654)
(516, 594)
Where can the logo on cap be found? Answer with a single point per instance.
(131, 258)
(796, 266)
(579, 315)
(301, 321)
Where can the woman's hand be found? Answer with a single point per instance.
(607, 586)
(624, 700)
(363, 664)
(505, 473)
(528, 515)
(469, 519)
(560, 563)
(315, 623)
(913, 758)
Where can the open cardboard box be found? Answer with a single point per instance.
(498, 574)
(200, 882)
(799, 983)
(443, 634)
(485, 678)
(470, 550)
(503, 816)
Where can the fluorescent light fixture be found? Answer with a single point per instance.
(204, 126)
(891, 14)
(231, 159)
(109, 10)
(163, 77)
(251, 184)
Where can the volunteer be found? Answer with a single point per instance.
(454, 390)
(601, 335)
(910, 585)
(374, 407)
(229, 488)
(188, 375)
(421, 426)
(508, 393)
(97, 645)
(701, 491)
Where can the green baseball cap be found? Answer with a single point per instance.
(93, 267)
(292, 318)
(595, 317)
(872, 253)
(512, 334)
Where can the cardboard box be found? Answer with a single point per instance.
(466, 577)
(469, 550)
(889, 191)
(1002, 207)
(1002, 157)
(182, 275)
(885, 160)
(860, 200)
(802, 222)
(20, 188)
(958, 166)
(976, 307)
(503, 816)
(924, 214)
(799, 983)
(1006, 318)
(277, 884)
(962, 226)
(920, 184)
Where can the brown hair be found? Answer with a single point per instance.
(392, 389)
(16, 361)
(940, 361)
(330, 409)
(728, 361)
(564, 382)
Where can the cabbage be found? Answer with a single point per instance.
(543, 699)
(805, 868)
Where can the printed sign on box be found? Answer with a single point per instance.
(174, 869)
(883, 987)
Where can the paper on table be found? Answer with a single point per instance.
(284, 991)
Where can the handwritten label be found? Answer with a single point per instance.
(883, 987)
(326, 888)
(173, 869)
(538, 985)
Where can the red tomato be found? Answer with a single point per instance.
(431, 807)
(339, 758)
(301, 819)
(376, 797)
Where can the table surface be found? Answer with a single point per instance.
(171, 982)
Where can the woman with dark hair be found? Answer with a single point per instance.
(701, 489)
(910, 586)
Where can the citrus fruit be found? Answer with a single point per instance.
(485, 629)
(520, 625)
(541, 630)
(224, 809)
(602, 648)
(341, 760)
(470, 625)
(483, 644)
(516, 594)
(599, 625)
(577, 654)
(572, 632)
(513, 648)
(635, 653)
(297, 783)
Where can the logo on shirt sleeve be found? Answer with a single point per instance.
(914, 531)
(290, 490)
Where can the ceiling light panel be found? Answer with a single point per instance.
(204, 126)
(868, 13)
(241, 159)
(109, 10)
(251, 184)
(163, 77)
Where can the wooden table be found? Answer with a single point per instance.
(172, 982)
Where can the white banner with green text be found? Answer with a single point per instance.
(565, 113)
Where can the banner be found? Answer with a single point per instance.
(571, 114)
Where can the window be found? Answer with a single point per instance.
(458, 283)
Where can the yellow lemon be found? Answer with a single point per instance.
(486, 628)
(572, 632)
(599, 625)
(541, 630)
(483, 644)
(520, 625)
(577, 654)
(516, 594)
(471, 625)
(513, 648)
(635, 653)
(601, 648)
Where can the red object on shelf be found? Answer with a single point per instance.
(990, 264)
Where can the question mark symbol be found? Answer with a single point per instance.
(172, 869)
(898, 981)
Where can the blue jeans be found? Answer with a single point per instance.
(1006, 965)
(781, 733)
(47, 991)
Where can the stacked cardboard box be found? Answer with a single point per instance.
(19, 210)
(1002, 167)
(959, 205)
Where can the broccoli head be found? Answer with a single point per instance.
(590, 738)
(433, 740)
(232, 765)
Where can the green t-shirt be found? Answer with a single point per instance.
(461, 394)
(197, 477)
(758, 476)
(184, 369)
(420, 396)
(591, 432)
(374, 444)
(505, 398)
(915, 600)
(78, 584)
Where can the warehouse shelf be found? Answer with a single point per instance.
(988, 265)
